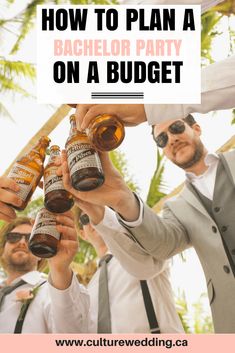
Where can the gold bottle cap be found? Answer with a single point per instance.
(45, 139)
(54, 148)
(72, 117)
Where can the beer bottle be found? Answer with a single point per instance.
(28, 170)
(105, 132)
(83, 160)
(44, 237)
(57, 199)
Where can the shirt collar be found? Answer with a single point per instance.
(210, 159)
(32, 278)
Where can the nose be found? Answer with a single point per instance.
(172, 138)
(22, 241)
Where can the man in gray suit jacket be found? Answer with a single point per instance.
(202, 215)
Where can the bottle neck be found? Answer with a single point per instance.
(73, 128)
(53, 155)
(40, 149)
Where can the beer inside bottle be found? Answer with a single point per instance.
(28, 170)
(44, 237)
(106, 132)
(57, 199)
(83, 160)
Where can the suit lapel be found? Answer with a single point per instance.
(189, 196)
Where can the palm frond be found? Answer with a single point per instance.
(11, 68)
(233, 117)
(28, 20)
(9, 85)
(4, 112)
(119, 161)
(208, 33)
(157, 186)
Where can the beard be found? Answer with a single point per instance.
(194, 159)
(21, 264)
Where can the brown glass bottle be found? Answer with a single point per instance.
(83, 160)
(105, 132)
(44, 237)
(57, 199)
(28, 170)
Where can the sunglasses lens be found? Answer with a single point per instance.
(161, 140)
(27, 236)
(15, 237)
(177, 128)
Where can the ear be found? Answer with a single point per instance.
(197, 129)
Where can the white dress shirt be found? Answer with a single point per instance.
(128, 314)
(205, 182)
(51, 311)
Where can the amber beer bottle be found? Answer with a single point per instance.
(105, 132)
(44, 237)
(57, 199)
(28, 170)
(83, 160)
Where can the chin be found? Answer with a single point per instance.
(19, 258)
(184, 156)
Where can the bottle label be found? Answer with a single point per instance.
(52, 181)
(45, 224)
(82, 155)
(25, 177)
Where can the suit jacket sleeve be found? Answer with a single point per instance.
(161, 237)
(218, 92)
(142, 250)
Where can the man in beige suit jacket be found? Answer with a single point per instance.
(202, 216)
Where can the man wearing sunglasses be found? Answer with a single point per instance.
(202, 215)
(57, 305)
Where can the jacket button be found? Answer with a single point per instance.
(214, 229)
(224, 228)
(226, 269)
(217, 209)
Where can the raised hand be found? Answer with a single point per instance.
(8, 189)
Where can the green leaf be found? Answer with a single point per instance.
(233, 117)
(157, 186)
(120, 163)
(5, 113)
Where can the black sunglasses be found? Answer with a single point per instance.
(14, 237)
(178, 127)
(83, 220)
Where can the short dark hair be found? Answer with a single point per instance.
(189, 119)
